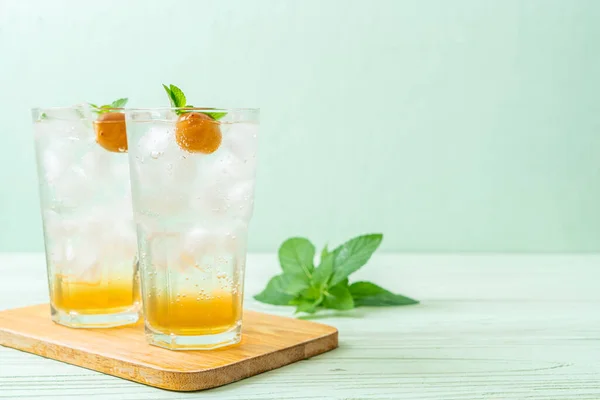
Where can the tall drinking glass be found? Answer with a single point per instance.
(89, 234)
(192, 175)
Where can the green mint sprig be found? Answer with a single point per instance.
(311, 288)
(178, 100)
(119, 103)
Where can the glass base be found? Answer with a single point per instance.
(201, 342)
(75, 320)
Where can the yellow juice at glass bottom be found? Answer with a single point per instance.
(104, 296)
(191, 314)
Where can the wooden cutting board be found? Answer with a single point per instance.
(268, 342)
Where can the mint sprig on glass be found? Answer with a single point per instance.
(178, 100)
(119, 103)
(312, 288)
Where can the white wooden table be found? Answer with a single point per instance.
(489, 327)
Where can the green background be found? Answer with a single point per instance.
(464, 125)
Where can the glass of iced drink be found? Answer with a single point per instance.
(89, 234)
(192, 175)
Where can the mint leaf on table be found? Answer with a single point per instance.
(307, 306)
(311, 293)
(294, 283)
(326, 286)
(322, 274)
(353, 254)
(296, 256)
(324, 252)
(275, 293)
(369, 294)
(339, 297)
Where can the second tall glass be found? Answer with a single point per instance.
(86, 209)
(192, 174)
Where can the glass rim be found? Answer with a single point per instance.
(199, 109)
(56, 108)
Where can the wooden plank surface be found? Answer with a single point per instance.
(268, 342)
(489, 327)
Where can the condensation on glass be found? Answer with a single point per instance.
(89, 233)
(192, 208)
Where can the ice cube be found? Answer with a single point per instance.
(159, 246)
(229, 166)
(163, 171)
(53, 224)
(80, 256)
(214, 208)
(120, 167)
(92, 274)
(203, 247)
(155, 141)
(218, 173)
(111, 237)
(56, 155)
(55, 233)
(234, 161)
(165, 251)
(90, 244)
(96, 163)
(241, 200)
(181, 168)
(52, 165)
(199, 248)
(123, 239)
(199, 240)
(224, 189)
(72, 188)
(65, 160)
(242, 139)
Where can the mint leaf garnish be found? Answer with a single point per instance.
(312, 289)
(171, 99)
(178, 100)
(43, 116)
(178, 96)
(119, 103)
(105, 108)
(215, 115)
(369, 294)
